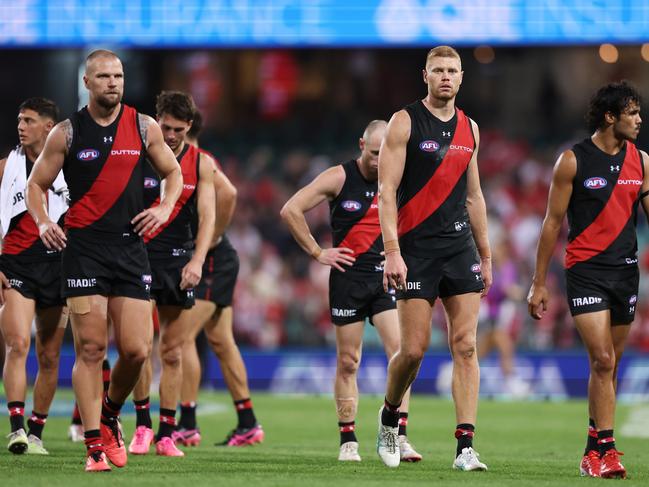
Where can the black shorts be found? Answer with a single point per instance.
(587, 294)
(167, 274)
(40, 281)
(220, 272)
(113, 267)
(443, 276)
(353, 298)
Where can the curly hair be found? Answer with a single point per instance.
(613, 98)
(177, 104)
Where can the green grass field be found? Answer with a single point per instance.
(522, 443)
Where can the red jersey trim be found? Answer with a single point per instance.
(362, 235)
(455, 163)
(610, 222)
(113, 178)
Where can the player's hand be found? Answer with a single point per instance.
(52, 236)
(485, 270)
(4, 283)
(337, 257)
(149, 220)
(191, 275)
(394, 272)
(537, 301)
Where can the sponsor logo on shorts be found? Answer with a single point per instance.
(413, 285)
(586, 301)
(343, 313)
(429, 146)
(16, 283)
(633, 299)
(88, 155)
(630, 182)
(595, 183)
(475, 268)
(350, 205)
(150, 183)
(462, 148)
(125, 152)
(628, 260)
(147, 279)
(86, 282)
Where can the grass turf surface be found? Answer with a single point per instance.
(523, 443)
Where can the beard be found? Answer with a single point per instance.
(108, 102)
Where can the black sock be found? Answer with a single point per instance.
(464, 434)
(105, 373)
(76, 416)
(36, 424)
(605, 441)
(167, 423)
(16, 415)
(142, 413)
(245, 414)
(403, 424)
(187, 415)
(93, 441)
(390, 414)
(591, 442)
(109, 411)
(347, 431)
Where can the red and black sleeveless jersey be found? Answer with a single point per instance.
(355, 220)
(175, 236)
(22, 238)
(431, 198)
(602, 212)
(104, 172)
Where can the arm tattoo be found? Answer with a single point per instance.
(66, 126)
(143, 122)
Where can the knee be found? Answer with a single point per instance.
(17, 346)
(136, 355)
(463, 346)
(412, 355)
(603, 363)
(348, 364)
(220, 346)
(91, 352)
(48, 359)
(171, 355)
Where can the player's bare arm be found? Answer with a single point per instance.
(644, 192)
(3, 163)
(325, 186)
(392, 160)
(164, 162)
(558, 200)
(226, 201)
(46, 168)
(191, 273)
(477, 209)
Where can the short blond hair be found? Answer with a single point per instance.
(443, 51)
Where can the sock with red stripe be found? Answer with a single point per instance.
(245, 414)
(167, 423)
(76, 415)
(390, 414)
(105, 373)
(16, 415)
(143, 413)
(464, 434)
(187, 415)
(403, 424)
(36, 424)
(110, 411)
(347, 431)
(605, 441)
(591, 442)
(93, 441)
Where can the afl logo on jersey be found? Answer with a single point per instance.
(429, 146)
(350, 205)
(475, 268)
(633, 299)
(150, 183)
(88, 155)
(595, 183)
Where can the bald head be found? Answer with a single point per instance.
(100, 55)
(370, 144)
(373, 126)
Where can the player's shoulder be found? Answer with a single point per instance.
(566, 165)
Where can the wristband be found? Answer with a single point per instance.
(391, 246)
(315, 253)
